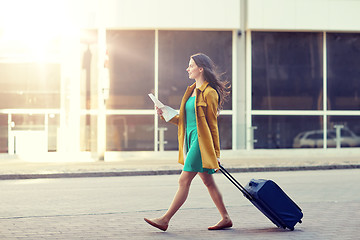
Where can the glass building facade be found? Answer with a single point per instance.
(304, 87)
(291, 89)
(132, 76)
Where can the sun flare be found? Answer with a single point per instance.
(34, 28)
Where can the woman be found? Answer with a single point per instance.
(198, 136)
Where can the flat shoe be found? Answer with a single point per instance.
(217, 227)
(161, 227)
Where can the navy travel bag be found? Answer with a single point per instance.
(271, 200)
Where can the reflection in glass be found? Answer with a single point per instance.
(131, 68)
(28, 122)
(288, 131)
(29, 85)
(88, 132)
(89, 67)
(3, 133)
(130, 133)
(225, 131)
(175, 49)
(343, 60)
(170, 135)
(286, 71)
(349, 130)
(28, 134)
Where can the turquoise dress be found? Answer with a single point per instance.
(193, 161)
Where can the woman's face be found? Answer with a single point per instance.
(193, 70)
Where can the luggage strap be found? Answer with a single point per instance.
(235, 182)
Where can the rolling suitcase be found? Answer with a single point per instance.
(271, 200)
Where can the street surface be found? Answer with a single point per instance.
(114, 207)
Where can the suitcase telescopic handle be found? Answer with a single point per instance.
(235, 182)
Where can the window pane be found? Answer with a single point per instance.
(130, 133)
(170, 135)
(343, 60)
(3, 133)
(225, 131)
(29, 85)
(31, 44)
(286, 71)
(349, 130)
(175, 49)
(28, 122)
(288, 132)
(131, 69)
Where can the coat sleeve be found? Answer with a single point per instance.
(211, 116)
(174, 120)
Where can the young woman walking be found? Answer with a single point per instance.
(198, 136)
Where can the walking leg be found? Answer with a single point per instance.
(179, 199)
(216, 196)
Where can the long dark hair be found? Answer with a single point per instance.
(213, 77)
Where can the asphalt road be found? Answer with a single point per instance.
(114, 207)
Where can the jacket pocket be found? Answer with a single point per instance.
(201, 109)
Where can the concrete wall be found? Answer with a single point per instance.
(117, 14)
(160, 14)
(317, 15)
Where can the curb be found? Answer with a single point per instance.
(169, 172)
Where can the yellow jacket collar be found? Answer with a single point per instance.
(202, 88)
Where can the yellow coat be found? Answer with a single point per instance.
(206, 118)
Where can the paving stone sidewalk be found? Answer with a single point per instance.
(114, 208)
(320, 223)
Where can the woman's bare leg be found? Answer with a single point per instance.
(180, 197)
(217, 199)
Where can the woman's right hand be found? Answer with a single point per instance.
(159, 111)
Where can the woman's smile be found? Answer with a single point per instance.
(193, 70)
